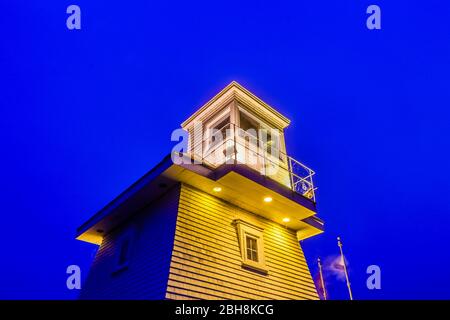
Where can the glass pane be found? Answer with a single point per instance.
(219, 129)
(246, 123)
(222, 126)
(252, 250)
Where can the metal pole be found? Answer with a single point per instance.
(345, 268)
(321, 279)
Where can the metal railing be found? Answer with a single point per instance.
(231, 144)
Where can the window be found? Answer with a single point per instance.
(248, 128)
(124, 249)
(215, 130)
(246, 123)
(251, 245)
(219, 129)
(124, 252)
(252, 248)
(257, 132)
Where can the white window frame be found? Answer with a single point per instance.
(245, 230)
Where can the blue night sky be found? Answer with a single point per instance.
(86, 113)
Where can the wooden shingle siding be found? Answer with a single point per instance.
(146, 276)
(206, 258)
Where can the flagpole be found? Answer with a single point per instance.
(321, 279)
(345, 268)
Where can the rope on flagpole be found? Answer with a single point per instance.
(345, 268)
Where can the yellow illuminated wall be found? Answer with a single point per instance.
(206, 259)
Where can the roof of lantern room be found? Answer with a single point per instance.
(236, 92)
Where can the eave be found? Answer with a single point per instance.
(241, 186)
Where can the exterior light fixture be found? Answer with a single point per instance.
(286, 220)
(217, 189)
(268, 199)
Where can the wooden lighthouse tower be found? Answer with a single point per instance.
(221, 218)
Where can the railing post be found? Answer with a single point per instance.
(311, 173)
(234, 143)
(291, 176)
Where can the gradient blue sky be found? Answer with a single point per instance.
(86, 113)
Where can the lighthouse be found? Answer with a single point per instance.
(221, 217)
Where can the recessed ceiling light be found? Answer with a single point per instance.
(217, 189)
(268, 199)
(286, 219)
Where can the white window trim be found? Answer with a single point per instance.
(246, 229)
